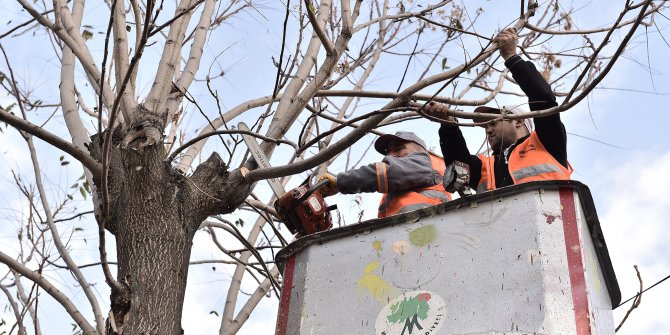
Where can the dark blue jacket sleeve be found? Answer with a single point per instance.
(550, 130)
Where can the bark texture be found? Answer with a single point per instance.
(154, 214)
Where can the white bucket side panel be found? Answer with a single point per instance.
(497, 267)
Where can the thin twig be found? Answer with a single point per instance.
(176, 17)
(594, 56)
(462, 31)
(219, 132)
(109, 278)
(636, 302)
(23, 24)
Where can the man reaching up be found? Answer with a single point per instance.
(518, 154)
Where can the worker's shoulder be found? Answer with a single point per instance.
(411, 161)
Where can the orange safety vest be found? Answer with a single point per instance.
(529, 161)
(423, 197)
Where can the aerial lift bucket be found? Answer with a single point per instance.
(525, 259)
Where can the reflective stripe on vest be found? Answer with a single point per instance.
(529, 161)
(534, 170)
(435, 194)
(392, 204)
(382, 179)
(414, 207)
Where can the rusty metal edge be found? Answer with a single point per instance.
(585, 198)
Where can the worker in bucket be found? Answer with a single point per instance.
(519, 153)
(409, 176)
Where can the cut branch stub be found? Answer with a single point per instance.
(217, 190)
(146, 131)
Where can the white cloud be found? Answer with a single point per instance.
(634, 222)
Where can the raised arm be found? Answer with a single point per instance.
(550, 130)
(453, 145)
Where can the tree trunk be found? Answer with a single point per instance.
(154, 214)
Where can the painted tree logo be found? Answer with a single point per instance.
(417, 312)
(408, 310)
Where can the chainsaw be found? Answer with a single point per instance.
(303, 209)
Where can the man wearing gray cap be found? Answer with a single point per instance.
(409, 176)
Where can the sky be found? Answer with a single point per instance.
(616, 145)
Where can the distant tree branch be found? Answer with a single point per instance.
(76, 44)
(616, 55)
(15, 308)
(67, 147)
(9, 32)
(227, 132)
(51, 290)
(462, 31)
(594, 56)
(318, 30)
(402, 16)
(595, 30)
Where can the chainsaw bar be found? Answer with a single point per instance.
(261, 159)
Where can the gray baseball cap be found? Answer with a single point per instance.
(383, 142)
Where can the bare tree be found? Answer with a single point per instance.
(141, 156)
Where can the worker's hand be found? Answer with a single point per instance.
(438, 111)
(330, 188)
(507, 40)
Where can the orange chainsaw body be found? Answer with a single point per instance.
(304, 217)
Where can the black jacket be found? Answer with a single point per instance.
(550, 129)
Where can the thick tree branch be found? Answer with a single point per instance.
(217, 190)
(159, 28)
(251, 303)
(287, 109)
(379, 46)
(170, 57)
(193, 151)
(194, 57)
(236, 280)
(393, 95)
(78, 47)
(120, 51)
